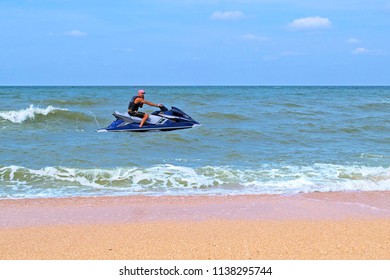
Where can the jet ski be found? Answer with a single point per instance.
(162, 120)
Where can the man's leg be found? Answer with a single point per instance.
(146, 116)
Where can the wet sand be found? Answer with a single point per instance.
(350, 225)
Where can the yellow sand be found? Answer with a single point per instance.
(68, 229)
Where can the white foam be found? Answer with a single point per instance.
(321, 178)
(28, 113)
(169, 179)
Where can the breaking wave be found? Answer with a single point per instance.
(37, 114)
(28, 114)
(17, 181)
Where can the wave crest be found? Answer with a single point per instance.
(29, 113)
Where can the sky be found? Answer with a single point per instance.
(195, 42)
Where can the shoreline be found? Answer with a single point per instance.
(345, 225)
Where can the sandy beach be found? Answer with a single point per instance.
(332, 226)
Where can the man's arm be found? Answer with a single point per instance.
(151, 103)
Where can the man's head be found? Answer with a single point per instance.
(141, 92)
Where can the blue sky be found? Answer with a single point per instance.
(177, 42)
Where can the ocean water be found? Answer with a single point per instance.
(253, 140)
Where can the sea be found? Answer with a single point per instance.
(252, 140)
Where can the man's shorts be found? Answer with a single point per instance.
(136, 114)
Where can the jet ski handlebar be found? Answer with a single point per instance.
(163, 108)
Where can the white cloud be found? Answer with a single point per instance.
(310, 23)
(281, 55)
(361, 51)
(252, 37)
(353, 41)
(229, 15)
(76, 33)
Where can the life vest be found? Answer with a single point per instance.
(134, 107)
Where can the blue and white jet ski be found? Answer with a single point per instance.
(159, 120)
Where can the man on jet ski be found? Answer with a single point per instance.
(137, 102)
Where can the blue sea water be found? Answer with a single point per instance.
(253, 140)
